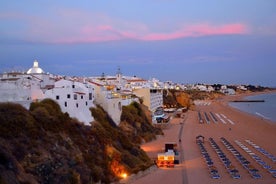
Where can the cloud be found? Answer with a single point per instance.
(199, 30)
(75, 26)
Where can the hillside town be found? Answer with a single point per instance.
(76, 95)
(106, 129)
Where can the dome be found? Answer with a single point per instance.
(35, 69)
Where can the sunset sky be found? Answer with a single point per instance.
(186, 41)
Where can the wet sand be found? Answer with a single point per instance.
(193, 169)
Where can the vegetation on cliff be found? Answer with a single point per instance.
(44, 145)
(136, 124)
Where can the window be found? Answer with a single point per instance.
(57, 97)
(81, 96)
(86, 103)
(65, 104)
(73, 86)
(75, 97)
(120, 106)
(77, 105)
(90, 96)
(68, 96)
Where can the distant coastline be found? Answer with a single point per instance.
(262, 108)
(248, 101)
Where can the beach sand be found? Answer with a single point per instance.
(193, 169)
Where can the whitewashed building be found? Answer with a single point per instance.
(24, 88)
(108, 99)
(75, 98)
(113, 92)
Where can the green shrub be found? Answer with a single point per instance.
(14, 120)
(134, 115)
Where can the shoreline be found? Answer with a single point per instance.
(245, 126)
(238, 97)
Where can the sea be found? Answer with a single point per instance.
(266, 109)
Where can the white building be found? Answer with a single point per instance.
(16, 87)
(109, 100)
(152, 98)
(35, 69)
(241, 87)
(24, 88)
(75, 98)
(113, 92)
(201, 87)
(210, 88)
(150, 92)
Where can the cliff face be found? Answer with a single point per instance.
(174, 98)
(202, 95)
(183, 99)
(44, 145)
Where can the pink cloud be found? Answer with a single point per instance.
(199, 30)
(73, 26)
(110, 33)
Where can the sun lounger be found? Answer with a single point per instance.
(209, 162)
(267, 167)
(256, 176)
(236, 176)
(215, 176)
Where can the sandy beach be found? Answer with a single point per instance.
(231, 124)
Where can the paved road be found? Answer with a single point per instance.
(178, 174)
(182, 159)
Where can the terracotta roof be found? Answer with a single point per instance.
(111, 78)
(136, 80)
(97, 84)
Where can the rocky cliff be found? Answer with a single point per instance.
(44, 145)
